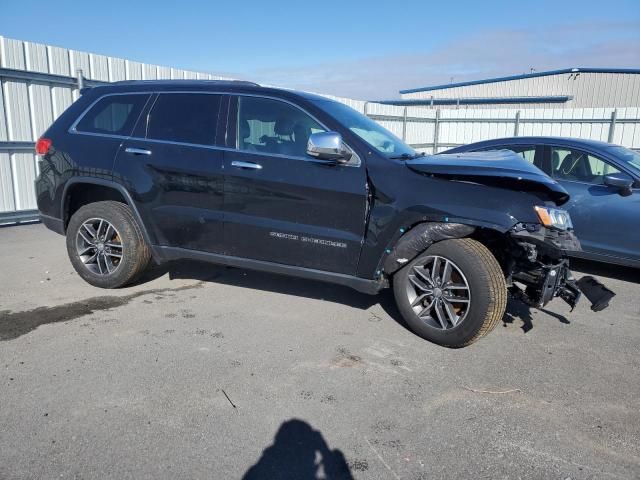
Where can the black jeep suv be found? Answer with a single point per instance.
(294, 183)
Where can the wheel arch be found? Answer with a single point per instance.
(108, 190)
(421, 236)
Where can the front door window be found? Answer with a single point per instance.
(273, 127)
(578, 166)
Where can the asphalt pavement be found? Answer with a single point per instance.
(206, 372)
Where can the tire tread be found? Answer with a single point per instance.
(496, 283)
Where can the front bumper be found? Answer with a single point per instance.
(541, 266)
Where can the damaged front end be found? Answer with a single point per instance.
(533, 257)
(537, 268)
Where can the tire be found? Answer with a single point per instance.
(469, 313)
(95, 260)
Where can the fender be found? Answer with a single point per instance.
(388, 227)
(421, 237)
(111, 184)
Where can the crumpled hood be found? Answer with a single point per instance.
(502, 169)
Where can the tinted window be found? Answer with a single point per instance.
(184, 117)
(579, 166)
(628, 156)
(271, 126)
(113, 115)
(528, 152)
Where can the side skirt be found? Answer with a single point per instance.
(371, 287)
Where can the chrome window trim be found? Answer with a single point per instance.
(74, 125)
(72, 129)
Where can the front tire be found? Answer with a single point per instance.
(105, 244)
(453, 293)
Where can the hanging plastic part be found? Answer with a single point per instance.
(421, 237)
(598, 294)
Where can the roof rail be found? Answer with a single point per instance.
(193, 80)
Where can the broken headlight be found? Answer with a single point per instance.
(554, 217)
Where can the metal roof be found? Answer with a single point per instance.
(523, 76)
(478, 100)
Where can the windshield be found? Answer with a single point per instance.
(628, 156)
(371, 132)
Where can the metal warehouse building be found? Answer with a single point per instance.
(568, 88)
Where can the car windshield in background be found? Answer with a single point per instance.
(371, 132)
(630, 157)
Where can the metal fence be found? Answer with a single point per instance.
(38, 82)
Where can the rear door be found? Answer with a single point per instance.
(174, 168)
(99, 131)
(282, 205)
(604, 221)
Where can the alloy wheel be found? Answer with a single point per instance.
(99, 246)
(438, 292)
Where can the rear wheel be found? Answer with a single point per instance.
(105, 244)
(453, 293)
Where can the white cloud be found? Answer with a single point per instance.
(488, 54)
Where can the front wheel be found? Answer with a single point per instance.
(453, 293)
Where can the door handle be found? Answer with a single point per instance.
(137, 151)
(249, 165)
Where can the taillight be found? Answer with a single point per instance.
(42, 146)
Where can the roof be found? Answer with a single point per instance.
(535, 140)
(478, 100)
(523, 76)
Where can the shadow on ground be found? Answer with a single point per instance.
(16, 324)
(299, 452)
(268, 282)
(516, 310)
(619, 272)
(519, 311)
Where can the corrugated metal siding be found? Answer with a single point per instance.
(589, 89)
(27, 108)
(23, 167)
(7, 200)
(16, 104)
(36, 57)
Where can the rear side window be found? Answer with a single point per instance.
(113, 115)
(184, 118)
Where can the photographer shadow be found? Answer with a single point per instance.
(299, 452)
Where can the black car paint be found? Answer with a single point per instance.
(203, 208)
(497, 168)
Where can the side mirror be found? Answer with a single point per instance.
(621, 181)
(328, 146)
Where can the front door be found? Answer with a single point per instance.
(282, 205)
(175, 170)
(604, 221)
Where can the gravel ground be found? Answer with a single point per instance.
(206, 372)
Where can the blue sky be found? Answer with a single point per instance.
(366, 50)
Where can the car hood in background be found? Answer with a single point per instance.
(502, 169)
